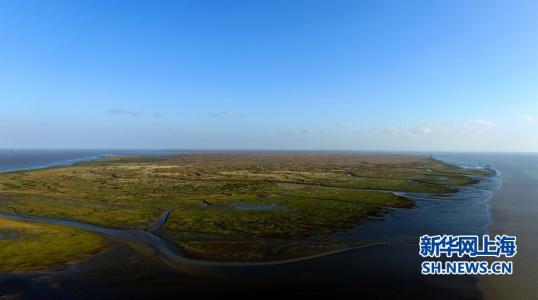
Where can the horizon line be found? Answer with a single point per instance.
(268, 150)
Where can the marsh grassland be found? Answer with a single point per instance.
(28, 246)
(228, 206)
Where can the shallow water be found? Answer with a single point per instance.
(465, 212)
(14, 160)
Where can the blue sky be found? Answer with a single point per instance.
(328, 75)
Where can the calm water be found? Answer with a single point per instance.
(13, 160)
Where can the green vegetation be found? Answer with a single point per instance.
(231, 206)
(28, 246)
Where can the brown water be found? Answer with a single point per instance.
(514, 210)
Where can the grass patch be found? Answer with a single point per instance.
(29, 246)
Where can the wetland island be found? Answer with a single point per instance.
(224, 207)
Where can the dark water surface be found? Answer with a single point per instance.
(380, 271)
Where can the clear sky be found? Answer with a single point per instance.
(259, 74)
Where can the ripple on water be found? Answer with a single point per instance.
(465, 212)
